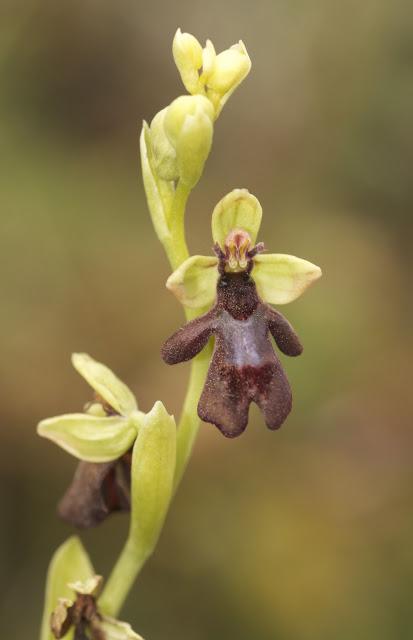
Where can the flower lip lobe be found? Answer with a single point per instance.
(244, 367)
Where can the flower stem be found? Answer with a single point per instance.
(122, 578)
(133, 555)
(189, 421)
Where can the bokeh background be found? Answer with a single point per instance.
(304, 534)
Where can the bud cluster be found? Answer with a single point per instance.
(176, 144)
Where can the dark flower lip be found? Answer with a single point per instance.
(244, 367)
(96, 491)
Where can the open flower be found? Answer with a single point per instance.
(102, 439)
(241, 280)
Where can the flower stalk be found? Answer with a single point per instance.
(131, 460)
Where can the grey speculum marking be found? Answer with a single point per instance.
(244, 366)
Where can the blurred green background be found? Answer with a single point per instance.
(304, 534)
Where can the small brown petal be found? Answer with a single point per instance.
(97, 489)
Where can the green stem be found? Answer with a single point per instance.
(189, 421)
(133, 557)
(122, 578)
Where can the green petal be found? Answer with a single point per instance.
(90, 438)
(116, 630)
(194, 282)
(69, 563)
(281, 278)
(239, 209)
(105, 383)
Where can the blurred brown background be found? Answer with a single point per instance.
(305, 534)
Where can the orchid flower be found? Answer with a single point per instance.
(240, 280)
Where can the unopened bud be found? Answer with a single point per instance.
(164, 155)
(187, 53)
(229, 69)
(188, 123)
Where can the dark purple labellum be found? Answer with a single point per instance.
(97, 489)
(244, 367)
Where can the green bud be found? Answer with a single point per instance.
(164, 157)
(92, 438)
(188, 123)
(229, 69)
(152, 473)
(208, 59)
(187, 53)
(69, 563)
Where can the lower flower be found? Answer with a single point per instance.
(96, 491)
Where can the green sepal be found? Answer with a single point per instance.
(281, 278)
(69, 563)
(91, 438)
(194, 282)
(239, 209)
(105, 383)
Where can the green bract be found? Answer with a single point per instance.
(70, 575)
(152, 477)
(159, 191)
(69, 563)
(153, 467)
(95, 436)
(280, 278)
